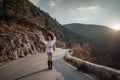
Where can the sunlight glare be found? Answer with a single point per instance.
(116, 27)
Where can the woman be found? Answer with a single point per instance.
(49, 40)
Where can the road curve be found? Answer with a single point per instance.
(35, 68)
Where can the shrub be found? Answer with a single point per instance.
(83, 52)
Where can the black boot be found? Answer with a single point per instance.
(49, 65)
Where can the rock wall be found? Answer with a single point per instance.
(16, 45)
(13, 46)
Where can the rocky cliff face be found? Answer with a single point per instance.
(21, 25)
(18, 44)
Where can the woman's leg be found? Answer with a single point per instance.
(49, 60)
(49, 56)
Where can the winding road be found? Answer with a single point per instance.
(35, 68)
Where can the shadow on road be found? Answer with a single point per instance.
(31, 74)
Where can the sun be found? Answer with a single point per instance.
(116, 27)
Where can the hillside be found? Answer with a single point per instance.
(105, 42)
(98, 35)
(98, 32)
(21, 24)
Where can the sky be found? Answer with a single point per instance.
(100, 12)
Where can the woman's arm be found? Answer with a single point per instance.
(54, 39)
(43, 40)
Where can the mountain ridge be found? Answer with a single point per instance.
(86, 24)
(93, 31)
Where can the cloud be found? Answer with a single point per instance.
(84, 14)
(90, 8)
(72, 11)
(51, 4)
(85, 10)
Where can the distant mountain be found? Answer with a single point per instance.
(98, 32)
(100, 36)
(104, 41)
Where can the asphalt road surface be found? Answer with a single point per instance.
(35, 68)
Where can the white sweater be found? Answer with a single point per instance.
(49, 44)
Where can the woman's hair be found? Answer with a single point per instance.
(49, 34)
